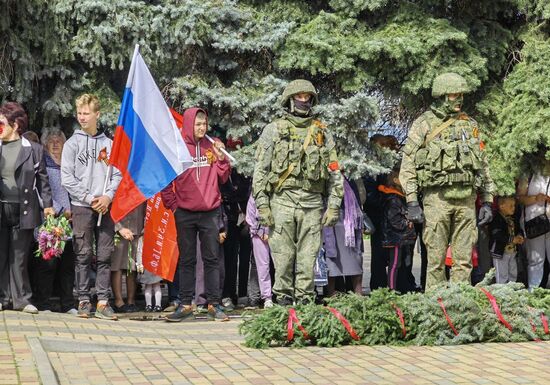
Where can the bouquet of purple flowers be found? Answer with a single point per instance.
(52, 235)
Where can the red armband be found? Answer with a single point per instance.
(333, 166)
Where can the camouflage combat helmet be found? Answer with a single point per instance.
(298, 86)
(449, 83)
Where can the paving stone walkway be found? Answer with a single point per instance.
(52, 348)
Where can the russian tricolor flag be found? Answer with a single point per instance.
(148, 148)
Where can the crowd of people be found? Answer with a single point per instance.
(266, 237)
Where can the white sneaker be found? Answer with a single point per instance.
(31, 309)
(72, 311)
(268, 303)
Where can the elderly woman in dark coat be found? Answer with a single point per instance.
(62, 268)
(22, 178)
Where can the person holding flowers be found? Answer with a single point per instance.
(23, 184)
(55, 260)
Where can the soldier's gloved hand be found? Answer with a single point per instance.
(330, 217)
(485, 214)
(415, 213)
(265, 217)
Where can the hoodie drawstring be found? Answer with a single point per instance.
(198, 156)
(87, 150)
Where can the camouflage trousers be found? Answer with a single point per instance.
(294, 242)
(449, 222)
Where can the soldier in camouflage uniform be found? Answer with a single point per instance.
(296, 171)
(444, 159)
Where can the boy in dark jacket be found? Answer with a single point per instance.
(504, 236)
(398, 233)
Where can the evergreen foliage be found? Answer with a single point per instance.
(517, 112)
(375, 320)
(372, 60)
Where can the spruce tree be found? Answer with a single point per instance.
(372, 61)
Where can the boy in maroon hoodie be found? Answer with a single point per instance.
(195, 197)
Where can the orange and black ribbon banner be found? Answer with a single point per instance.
(293, 319)
(401, 319)
(494, 304)
(449, 321)
(344, 322)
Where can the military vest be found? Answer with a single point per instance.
(309, 170)
(452, 158)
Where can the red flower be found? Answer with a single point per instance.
(49, 254)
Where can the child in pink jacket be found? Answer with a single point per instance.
(260, 247)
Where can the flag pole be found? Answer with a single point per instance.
(221, 149)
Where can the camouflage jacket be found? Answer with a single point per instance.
(455, 157)
(314, 170)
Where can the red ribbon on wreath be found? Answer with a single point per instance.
(344, 322)
(494, 304)
(544, 323)
(293, 319)
(449, 321)
(401, 319)
(534, 330)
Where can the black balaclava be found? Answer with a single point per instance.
(299, 108)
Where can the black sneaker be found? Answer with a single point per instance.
(215, 313)
(105, 312)
(157, 309)
(285, 301)
(131, 308)
(304, 301)
(120, 309)
(84, 309)
(252, 304)
(148, 309)
(183, 312)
